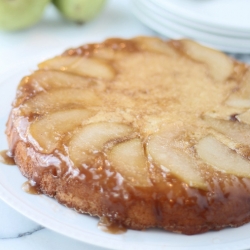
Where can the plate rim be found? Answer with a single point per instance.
(196, 25)
(188, 15)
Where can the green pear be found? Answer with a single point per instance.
(79, 11)
(20, 14)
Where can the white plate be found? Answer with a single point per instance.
(49, 213)
(171, 29)
(226, 14)
(153, 6)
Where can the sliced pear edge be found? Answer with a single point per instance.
(220, 157)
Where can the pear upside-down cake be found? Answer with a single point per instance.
(143, 132)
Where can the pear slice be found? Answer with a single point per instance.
(222, 158)
(79, 65)
(42, 80)
(60, 98)
(50, 129)
(244, 117)
(176, 161)
(48, 79)
(129, 160)
(238, 102)
(220, 65)
(92, 137)
(235, 131)
(155, 45)
(241, 98)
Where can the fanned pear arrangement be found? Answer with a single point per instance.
(142, 132)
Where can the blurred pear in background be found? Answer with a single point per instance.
(79, 11)
(20, 14)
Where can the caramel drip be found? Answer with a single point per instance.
(30, 189)
(108, 227)
(6, 159)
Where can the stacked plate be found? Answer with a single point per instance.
(222, 24)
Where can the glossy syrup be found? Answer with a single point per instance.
(5, 158)
(108, 227)
(30, 189)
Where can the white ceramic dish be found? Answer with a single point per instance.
(211, 38)
(173, 30)
(225, 14)
(152, 5)
(49, 213)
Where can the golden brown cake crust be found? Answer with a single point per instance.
(141, 214)
(165, 200)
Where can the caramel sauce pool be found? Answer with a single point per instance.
(30, 189)
(108, 227)
(5, 159)
(27, 186)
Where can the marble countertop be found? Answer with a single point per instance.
(55, 34)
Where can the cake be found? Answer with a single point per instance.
(142, 132)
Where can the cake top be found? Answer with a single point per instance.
(141, 114)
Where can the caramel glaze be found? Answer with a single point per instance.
(5, 158)
(165, 201)
(106, 226)
(115, 44)
(30, 189)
